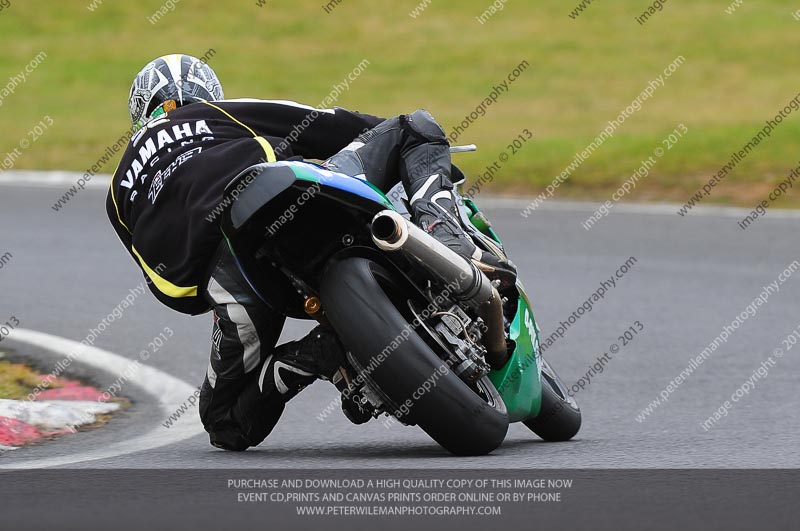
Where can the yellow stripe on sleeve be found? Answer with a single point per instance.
(266, 146)
(165, 286)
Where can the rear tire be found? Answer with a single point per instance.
(398, 362)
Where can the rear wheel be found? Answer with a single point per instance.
(395, 360)
(559, 418)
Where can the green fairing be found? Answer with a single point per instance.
(486, 229)
(519, 381)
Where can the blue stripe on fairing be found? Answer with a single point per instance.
(340, 181)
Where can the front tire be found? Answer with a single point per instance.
(559, 418)
(399, 363)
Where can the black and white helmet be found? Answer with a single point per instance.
(174, 80)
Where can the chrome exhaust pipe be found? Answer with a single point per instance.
(392, 232)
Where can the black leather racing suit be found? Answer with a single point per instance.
(164, 203)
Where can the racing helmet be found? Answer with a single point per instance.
(169, 82)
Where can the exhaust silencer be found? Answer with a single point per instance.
(392, 232)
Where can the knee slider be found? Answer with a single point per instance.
(228, 441)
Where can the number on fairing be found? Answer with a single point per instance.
(529, 324)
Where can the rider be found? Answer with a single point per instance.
(168, 188)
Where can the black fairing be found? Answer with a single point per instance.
(271, 231)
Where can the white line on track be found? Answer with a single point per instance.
(170, 392)
(658, 209)
(51, 179)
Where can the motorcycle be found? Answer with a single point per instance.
(431, 341)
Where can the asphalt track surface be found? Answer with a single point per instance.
(692, 276)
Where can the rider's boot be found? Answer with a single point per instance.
(297, 364)
(294, 365)
(434, 211)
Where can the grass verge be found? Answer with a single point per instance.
(583, 71)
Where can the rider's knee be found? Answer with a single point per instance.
(421, 124)
(223, 433)
(238, 419)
